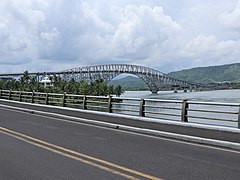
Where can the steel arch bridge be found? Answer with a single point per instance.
(153, 78)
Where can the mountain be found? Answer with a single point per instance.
(129, 83)
(210, 74)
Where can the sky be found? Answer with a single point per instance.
(167, 35)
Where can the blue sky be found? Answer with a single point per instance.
(168, 35)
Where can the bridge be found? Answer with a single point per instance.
(153, 78)
(42, 142)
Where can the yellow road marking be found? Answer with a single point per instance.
(16, 135)
(72, 157)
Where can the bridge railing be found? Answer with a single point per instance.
(211, 113)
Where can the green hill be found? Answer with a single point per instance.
(230, 72)
(130, 83)
(211, 74)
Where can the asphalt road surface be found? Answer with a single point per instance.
(38, 147)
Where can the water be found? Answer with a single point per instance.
(223, 96)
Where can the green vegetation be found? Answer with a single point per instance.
(222, 75)
(130, 83)
(30, 83)
(226, 76)
(1, 84)
(211, 74)
(118, 90)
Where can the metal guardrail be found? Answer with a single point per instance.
(212, 113)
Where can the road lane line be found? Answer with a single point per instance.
(70, 156)
(44, 145)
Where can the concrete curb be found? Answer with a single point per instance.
(186, 138)
(177, 123)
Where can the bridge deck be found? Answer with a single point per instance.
(218, 133)
(75, 152)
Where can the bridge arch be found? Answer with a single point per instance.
(153, 78)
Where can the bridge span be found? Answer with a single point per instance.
(153, 78)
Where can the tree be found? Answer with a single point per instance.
(30, 83)
(12, 84)
(118, 90)
(99, 88)
(84, 88)
(110, 90)
(1, 84)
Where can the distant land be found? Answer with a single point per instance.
(130, 83)
(205, 75)
(210, 74)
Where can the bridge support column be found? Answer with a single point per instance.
(190, 88)
(175, 90)
(154, 91)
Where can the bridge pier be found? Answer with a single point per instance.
(154, 91)
(190, 88)
(175, 89)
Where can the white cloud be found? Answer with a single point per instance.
(132, 33)
(207, 50)
(140, 31)
(4, 31)
(200, 45)
(35, 17)
(231, 19)
(159, 34)
(16, 44)
(50, 36)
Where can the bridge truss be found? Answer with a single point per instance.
(153, 78)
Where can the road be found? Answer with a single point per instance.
(39, 147)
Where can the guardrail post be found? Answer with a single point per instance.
(84, 102)
(142, 108)
(32, 98)
(239, 118)
(9, 96)
(20, 96)
(64, 100)
(46, 99)
(110, 104)
(185, 106)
